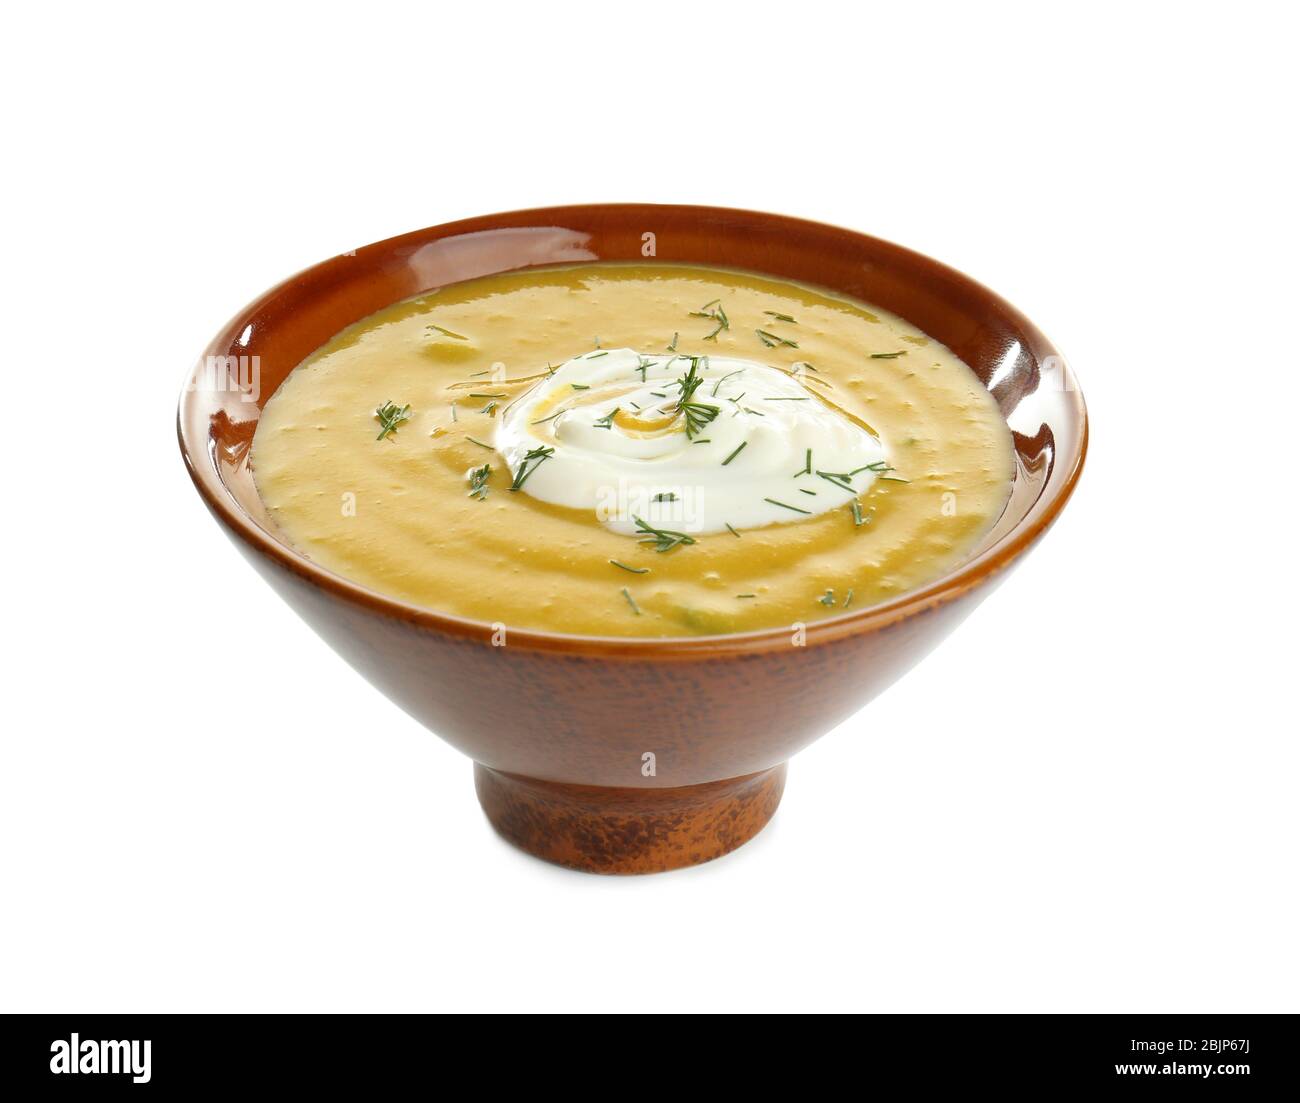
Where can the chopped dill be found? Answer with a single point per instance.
(740, 448)
(634, 570)
(783, 505)
(390, 416)
(842, 479)
(715, 313)
(533, 459)
(697, 414)
(721, 381)
(447, 332)
(478, 482)
(664, 540)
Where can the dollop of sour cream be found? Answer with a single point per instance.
(604, 433)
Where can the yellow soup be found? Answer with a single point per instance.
(634, 450)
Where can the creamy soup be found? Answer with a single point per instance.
(635, 450)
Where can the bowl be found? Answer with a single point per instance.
(565, 765)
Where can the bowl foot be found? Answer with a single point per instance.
(606, 830)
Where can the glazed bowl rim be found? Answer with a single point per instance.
(967, 575)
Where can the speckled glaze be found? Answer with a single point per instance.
(557, 723)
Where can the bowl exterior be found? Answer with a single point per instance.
(591, 718)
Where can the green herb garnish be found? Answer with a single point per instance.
(478, 482)
(828, 598)
(780, 317)
(390, 416)
(635, 608)
(880, 469)
(888, 355)
(842, 479)
(606, 422)
(736, 453)
(771, 340)
(721, 381)
(634, 570)
(714, 312)
(732, 531)
(664, 540)
(533, 459)
(447, 332)
(697, 414)
(783, 505)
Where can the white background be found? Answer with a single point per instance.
(1085, 800)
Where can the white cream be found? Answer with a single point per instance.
(641, 463)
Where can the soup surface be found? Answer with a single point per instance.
(634, 450)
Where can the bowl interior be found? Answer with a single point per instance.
(1033, 386)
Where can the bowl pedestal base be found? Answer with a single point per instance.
(600, 829)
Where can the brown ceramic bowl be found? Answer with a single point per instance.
(556, 743)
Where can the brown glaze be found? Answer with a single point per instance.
(547, 707)
(601, 829)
